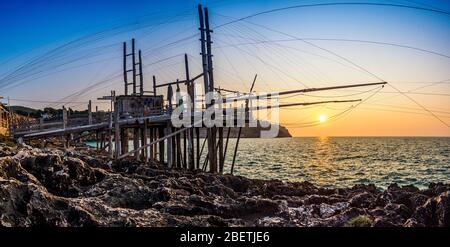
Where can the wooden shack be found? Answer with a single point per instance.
(140, 105)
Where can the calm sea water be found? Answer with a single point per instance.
(345, 161)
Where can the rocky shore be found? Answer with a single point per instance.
(51, 187)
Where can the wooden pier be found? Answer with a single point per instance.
(144, 117)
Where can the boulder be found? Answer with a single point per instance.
(362, 200)
(443, 209)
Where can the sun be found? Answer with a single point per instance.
(322, 118)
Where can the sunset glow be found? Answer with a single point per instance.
(408, 49)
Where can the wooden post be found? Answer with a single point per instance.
(155, 147)
(190, 132)
(197, 136)
(206, 44)
(152, 148)
(133, 57)
(154, 86)
(101, 140)
(136, 140)
(213, 149)
(203, 49)
(185, 150)
(117, 130)
(124, 139)
(90, 112)
(174, 149)
(161, 145)
(110, 135)
(226, 144)
(178, 147)
(169, 147)
(64, 117)
(144, 133)
(96, 140)
(68, 137)
(125, 72)
(141, 75)
(169, 97)
(208, 32)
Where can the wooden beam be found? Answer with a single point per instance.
(306, 90)
(179, 82)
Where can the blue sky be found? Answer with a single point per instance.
(30, 29)
(30, 24)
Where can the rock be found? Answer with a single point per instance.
(435, 189)
(417, 200)
(443, 209)
(378, 211)
(221, 190)
(411, 222)
(362, 200)
(398, 209)
(393, 187)
(82, 173)
(327, 210)
(410, 188)
(10, 168)
(435, 211)
(371, 188)
(255, 207)
(49, 187)
(383, 222)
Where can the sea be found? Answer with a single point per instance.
(343, 161)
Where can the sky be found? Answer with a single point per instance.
(55, 53)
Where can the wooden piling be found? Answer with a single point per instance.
(190, 132)
(161, 145)
(155, 147)
(178, 151)
(110, 135)
(136, 141)
(90, 112)
(197, 136)
(170, 147)
(124, 138)
(125, 70)
(173, 149)
(184, 150)
(133, 58)
(144, 136)
(152, 148)
(117, 130)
